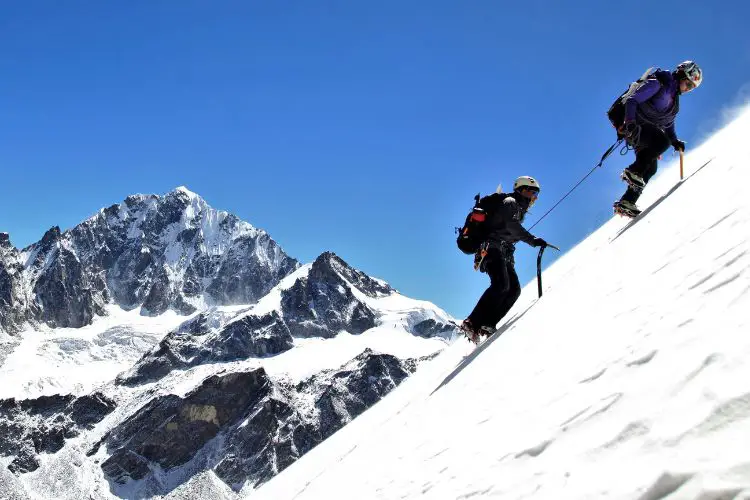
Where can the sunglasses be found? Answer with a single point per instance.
(532, 193)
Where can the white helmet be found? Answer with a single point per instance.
(526, 182)
(691, 71)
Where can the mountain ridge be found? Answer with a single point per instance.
(150, 252)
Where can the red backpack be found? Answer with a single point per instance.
(474, 232)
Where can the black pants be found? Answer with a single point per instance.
(502, 293)
(652, 142)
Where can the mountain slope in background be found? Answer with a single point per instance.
(232, 390)
(142, 400)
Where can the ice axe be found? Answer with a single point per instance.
(539, 266)
(682, 156)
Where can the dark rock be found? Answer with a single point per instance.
(64, 292)
(160, 295)
(194, 343)
(170, 430)
(265, 444)
(41, 425)
(355, 387)
(44, 406)
(51, 237)
(323, 304)
(360, 280)
(123, 465)
(430, 328)
(280, 430)
(241, 277)
(88, 410)
(14, 309)
(244, 426)
(24, 462)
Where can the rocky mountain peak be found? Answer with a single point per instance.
(329, 263)
(183, 191)
(5, 240)
(51, 237)
(137, 200)
(154, 252)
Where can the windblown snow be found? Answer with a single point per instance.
(627, 380)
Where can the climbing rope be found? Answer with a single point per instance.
(606, 154)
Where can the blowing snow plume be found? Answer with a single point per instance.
(628, 379)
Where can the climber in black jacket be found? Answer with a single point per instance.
(505, 212)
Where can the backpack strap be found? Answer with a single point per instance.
(637, 84)
(662, 76)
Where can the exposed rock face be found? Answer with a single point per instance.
(33, 426)
(66, 293)
(14, 307)
(295, 419)
(430, 328)
(246, 426)
(195, 342)
(170, 430)
(359, 384)
(154, 252)
(319, 304)
(323, 303)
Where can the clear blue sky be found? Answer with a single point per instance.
(361, 127)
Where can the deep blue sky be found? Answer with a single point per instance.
(362, 127)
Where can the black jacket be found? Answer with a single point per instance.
(505, 212)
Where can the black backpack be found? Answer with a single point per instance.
(474, 232)
(616, 112)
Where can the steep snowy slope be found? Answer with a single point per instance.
(628, 379)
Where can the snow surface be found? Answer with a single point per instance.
(76, 360)
(628, 379)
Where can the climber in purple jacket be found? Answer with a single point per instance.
(651, 106)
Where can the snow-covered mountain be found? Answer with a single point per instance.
(137, 404)
(150, 252)
(628, 379)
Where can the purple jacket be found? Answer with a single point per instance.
(656, 102)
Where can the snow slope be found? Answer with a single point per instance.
(628, 379)
(76, 360)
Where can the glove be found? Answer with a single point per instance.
(538, 242)
(678, 145)
(628, 129)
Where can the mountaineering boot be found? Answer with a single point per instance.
(486, 331)
(626, 208)
(468, 329)
(634, 180)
